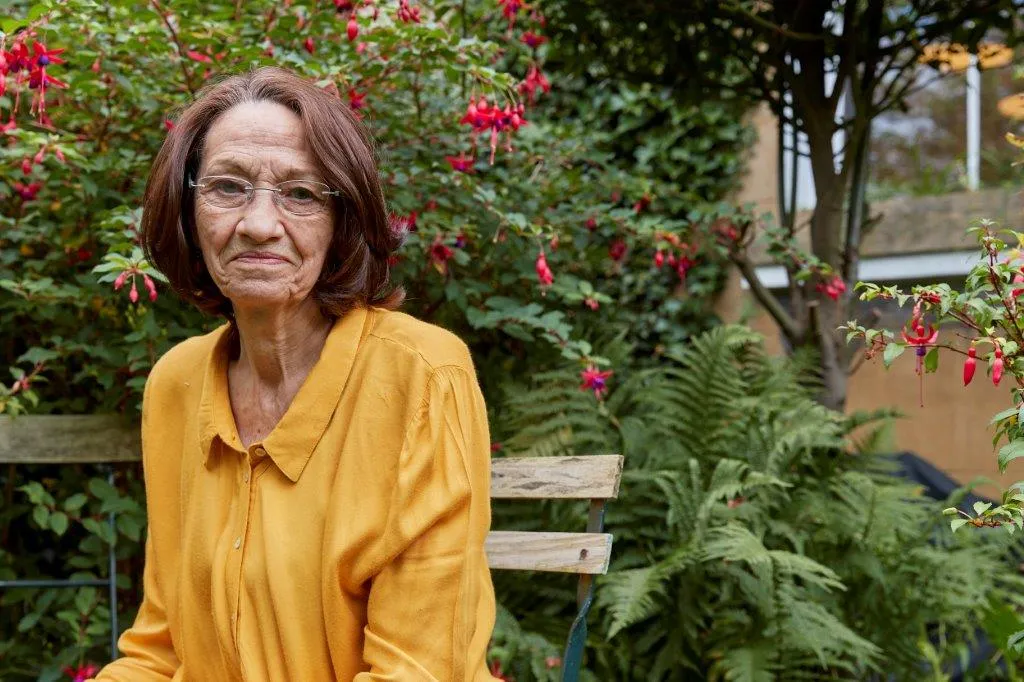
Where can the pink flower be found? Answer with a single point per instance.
(833, 288)
(150, 287)
(81, 673)
(544, 274)
(198, 56)
(595, 380)
(617, 250)
(509, 9)
(461, 163)
(408, 14)
(356, 100)
(27, 192)
(532, 39)
(440, 253)
(534, 79)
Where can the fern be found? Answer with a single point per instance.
(756, 538)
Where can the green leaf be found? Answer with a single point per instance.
(957, 524)
(931, 360)
(41, 515)
(59, 522)
(29, 621)
(1009, 452)
(982, 507)
(75, 502)
(891, 352)
(1016, 641)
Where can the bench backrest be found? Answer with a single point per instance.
(591, 477)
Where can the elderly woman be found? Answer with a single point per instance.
(317, 468)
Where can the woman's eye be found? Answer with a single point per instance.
(228, 187)
(300, 194)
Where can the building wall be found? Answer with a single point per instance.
(951, 430)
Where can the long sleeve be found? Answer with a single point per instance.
(147, 651)
(431, 607)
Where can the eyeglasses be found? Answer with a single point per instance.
(298, 197)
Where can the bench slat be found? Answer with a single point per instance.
(67, 439)
(585, 477)
(559, 552)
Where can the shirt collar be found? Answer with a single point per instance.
(293, 439)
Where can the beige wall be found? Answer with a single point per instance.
(951, 430)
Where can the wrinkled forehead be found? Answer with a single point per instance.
(257, 139)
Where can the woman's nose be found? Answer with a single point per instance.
(261, 220)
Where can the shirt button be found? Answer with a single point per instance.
(238, 542)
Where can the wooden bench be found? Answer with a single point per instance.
(110, 439)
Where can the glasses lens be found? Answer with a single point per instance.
(303, 197)
(224, 192)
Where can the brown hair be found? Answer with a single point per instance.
(356, 269)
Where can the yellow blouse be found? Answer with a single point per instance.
(347, 545)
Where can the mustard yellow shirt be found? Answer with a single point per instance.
(346, 545)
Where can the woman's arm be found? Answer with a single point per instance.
(431, 607)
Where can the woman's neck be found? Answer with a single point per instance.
(278, 348)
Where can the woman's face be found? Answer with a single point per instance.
(259, 255)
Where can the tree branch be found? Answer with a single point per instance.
(767, 299)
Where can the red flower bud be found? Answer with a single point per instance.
(544, 274)
(26, 166)
(119, 282)
(997, 367)
(970, 364)
(309, 45)
(133, 295)
(40, 155)
(659, 259)
(352, 29)
(150, 287)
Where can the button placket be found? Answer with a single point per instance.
(251, 460)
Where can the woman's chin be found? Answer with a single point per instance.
(261, 294)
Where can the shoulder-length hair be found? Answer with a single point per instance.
(356, 270)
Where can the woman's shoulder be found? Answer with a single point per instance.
(406, 335)
(187, 359)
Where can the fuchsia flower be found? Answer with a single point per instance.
(27, 192)
(482, 116)
(641, 203)
(509, 9)
(198, 56)
(461, 163)
(532, 39)
(659, 259)
(591, 223)
(309, 45)
(356, 100)
(997, 366)
(832, 288)
(617, 250)
(352, 29)
(544, 274)
(683, 266)
(595, 380)
(409, 15)
(440, 253)
(970, 364)
(534, 79)
(920, 338)
(81, 673)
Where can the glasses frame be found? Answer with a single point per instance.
(250, 191)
